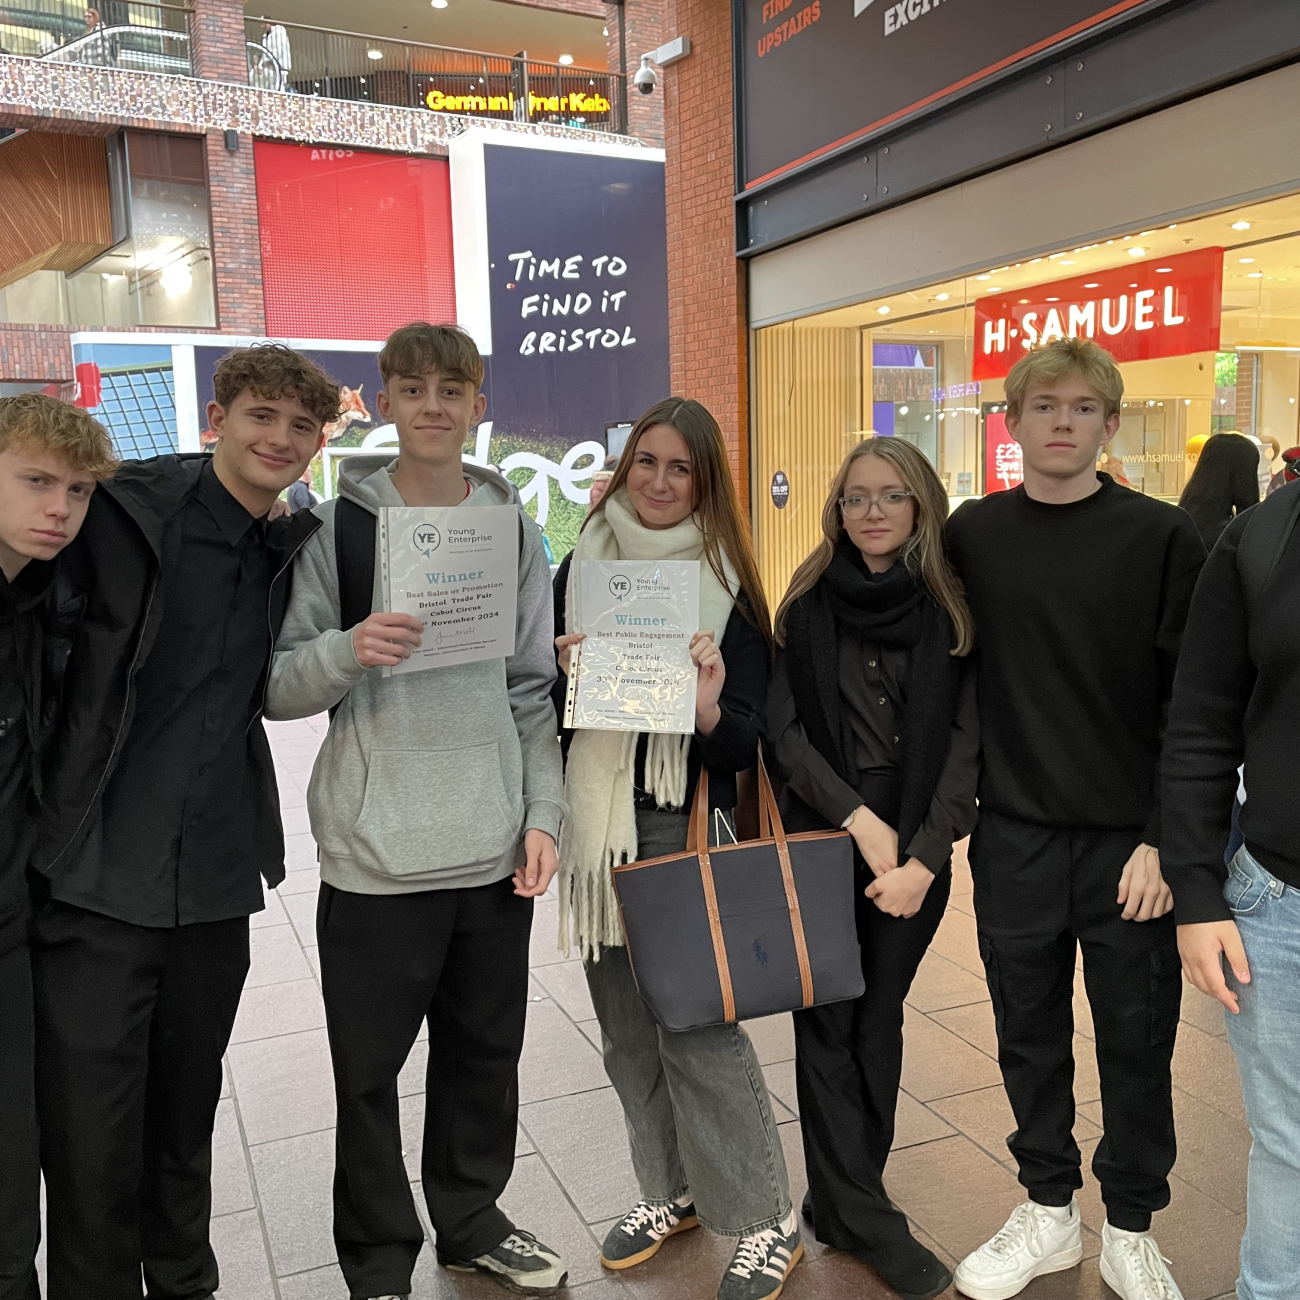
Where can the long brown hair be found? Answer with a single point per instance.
(923, 552)
(714, 500)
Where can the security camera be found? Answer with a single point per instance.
(645, 78)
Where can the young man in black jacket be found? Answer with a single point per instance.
(1074, 673)
(159, 821)
(51, 458)
(1237, 700)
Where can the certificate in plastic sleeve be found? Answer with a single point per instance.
(634, 670)
(456, 569)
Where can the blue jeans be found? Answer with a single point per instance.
(1265, 1036)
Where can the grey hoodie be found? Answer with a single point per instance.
(426, 780)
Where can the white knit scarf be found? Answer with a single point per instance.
(600, 830)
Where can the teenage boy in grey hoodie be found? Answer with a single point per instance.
(436, 801)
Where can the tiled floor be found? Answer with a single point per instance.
(950, 1171)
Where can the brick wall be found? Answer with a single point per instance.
(35, 354)
(236, 240)
(644, 30)
(217, 36)
(706, 284)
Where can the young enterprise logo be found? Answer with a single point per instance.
(620, 586)
(426, 539)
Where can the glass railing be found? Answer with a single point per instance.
(346, 65)
(140, 36)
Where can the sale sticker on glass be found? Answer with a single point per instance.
(634, 670)
(456, 569)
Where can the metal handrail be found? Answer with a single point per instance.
(51, 32)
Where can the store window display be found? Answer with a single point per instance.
(1203, 316)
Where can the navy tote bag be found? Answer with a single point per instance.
(717, 935)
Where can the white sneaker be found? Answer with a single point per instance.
(1133, 1267)
(1033, 1242)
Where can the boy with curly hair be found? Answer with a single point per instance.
(159, 822)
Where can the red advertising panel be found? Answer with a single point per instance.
(1162, 307)
(1003, 466)
(354, 244)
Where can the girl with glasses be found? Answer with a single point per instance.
(871, 716)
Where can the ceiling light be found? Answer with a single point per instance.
(1024, 302)
(1137, 252)
(995, 288)
(1174, 226)
(1255, 275)
(884, 311)
(374, 54)
(983, 277)
(1142, 234)
(942, 297)
(1241, 225)
(1053, 300)
(1163, 270)
(902, 410)
(604, 31)
(1069, 261)
(1245, 260)
(566, 59)
(1093, 284)
(176, 280)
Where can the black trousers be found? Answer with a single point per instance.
(20, 1165)
(849, 1060)
(131, 1025)
(458, 959)
(1040, 894)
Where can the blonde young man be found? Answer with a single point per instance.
(1075, 674)
(436, 802)
(159, 822)
(51, 458)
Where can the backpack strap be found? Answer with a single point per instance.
(1263, 541)
(354, 558)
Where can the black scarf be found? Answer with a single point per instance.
(894, 610)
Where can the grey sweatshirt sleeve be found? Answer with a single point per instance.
(530, 674)
(314, 665)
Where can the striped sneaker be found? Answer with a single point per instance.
(642, 1230)
(521, 1264)
(761, 1264)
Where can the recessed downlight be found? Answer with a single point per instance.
(565, 59)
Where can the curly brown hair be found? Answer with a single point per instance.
(271, 371)
(38, 420)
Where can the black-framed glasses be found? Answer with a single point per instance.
(890, 505)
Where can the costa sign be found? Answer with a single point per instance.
(1161, 307)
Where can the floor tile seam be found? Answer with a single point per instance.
(289, 1137)
(252, 1182)
(1240, 1123)
(284, 1033)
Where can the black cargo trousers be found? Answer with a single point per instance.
(1041, 894)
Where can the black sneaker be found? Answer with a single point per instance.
(915, 1272)
(642, 1230)
(760, 1266)
(520, 1263)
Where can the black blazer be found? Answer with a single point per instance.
(733, 746)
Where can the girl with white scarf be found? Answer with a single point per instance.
(703, 1139)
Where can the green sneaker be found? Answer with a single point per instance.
(760, 1266)
(642, 1230)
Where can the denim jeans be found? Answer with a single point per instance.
(695, 1103)
(1265, 1035)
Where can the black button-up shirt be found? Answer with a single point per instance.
(175, 844)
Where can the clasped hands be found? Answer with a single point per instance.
(896, 891)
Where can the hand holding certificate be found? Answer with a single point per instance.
(633, 670)
(456, 570)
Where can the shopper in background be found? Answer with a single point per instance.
(159, 822)
(51, 458)
(426, 897)
(1237, 699)
(1289, 472)
(872, 718)
(300, 496)
(1074, 677)
(600, 480)
(1224, 483)
(704, 1142)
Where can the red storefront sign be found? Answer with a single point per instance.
(1161, 307)
(1003, 466)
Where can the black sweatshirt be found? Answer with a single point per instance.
(1236, 699)
(1079, 613)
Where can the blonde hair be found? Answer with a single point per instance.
(923, 552)
(38, 420)
(1062, 357)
